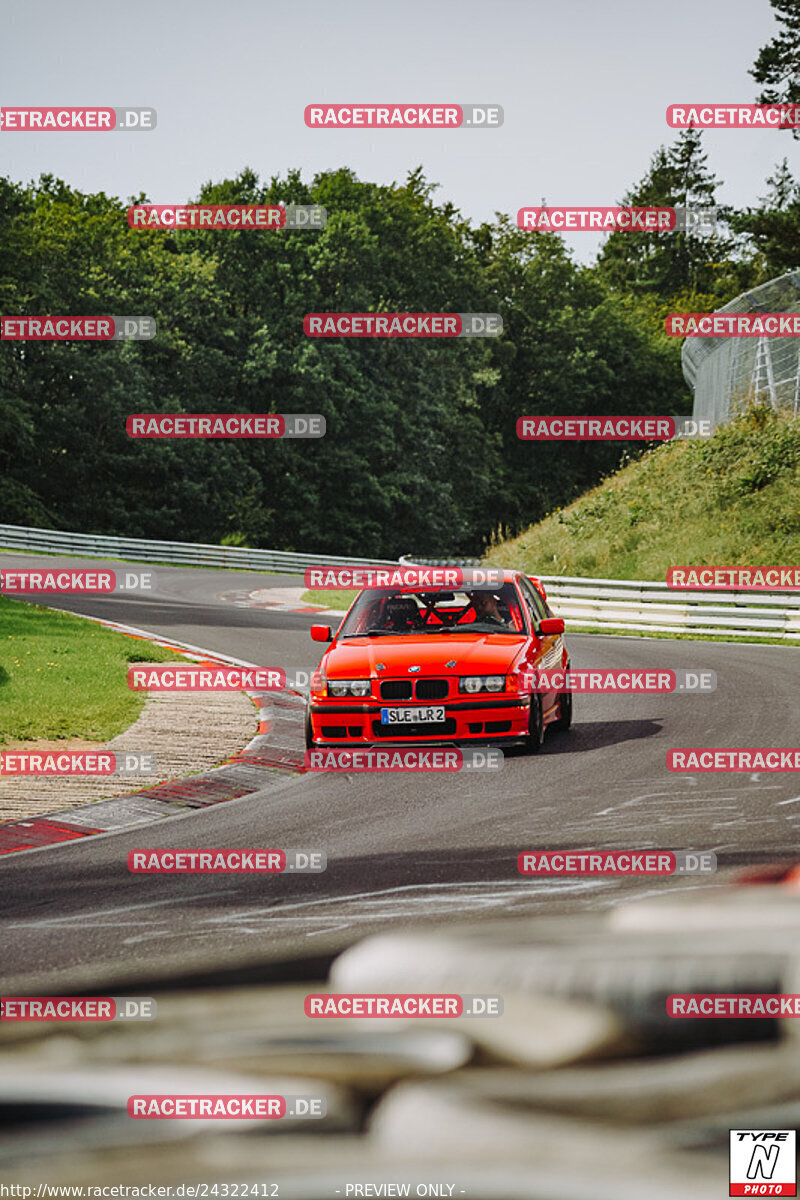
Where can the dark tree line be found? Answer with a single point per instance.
(421, 452)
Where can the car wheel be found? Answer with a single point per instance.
(535, 725)
(565, 711)
(310, 743)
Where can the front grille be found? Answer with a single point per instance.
(431, 689)
(425, 729)
(396, 689)
(334, 731)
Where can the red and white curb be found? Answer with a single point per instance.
(276, 600)
(277, 747)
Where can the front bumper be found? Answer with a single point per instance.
(359, 722)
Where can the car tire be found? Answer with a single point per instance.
(565, 711)
(310, 743)
(535, 737)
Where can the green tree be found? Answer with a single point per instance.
(421, 453)
(777, 66)
(773, 228)
(574, 347)
(663, 265)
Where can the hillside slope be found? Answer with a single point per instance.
(731, 499)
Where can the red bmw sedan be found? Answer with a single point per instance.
(440, 666)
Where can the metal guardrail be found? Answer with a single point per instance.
(198, 554)
(649, 605)
(618, 604)
(411, 561)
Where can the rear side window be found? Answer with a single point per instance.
(535, 603)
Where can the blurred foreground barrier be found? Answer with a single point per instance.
(627, 969)
(580, 1089)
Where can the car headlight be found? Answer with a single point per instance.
(349, 687)
(481, 683)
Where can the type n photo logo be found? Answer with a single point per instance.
(762, 1162)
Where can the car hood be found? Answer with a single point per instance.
(467, 654)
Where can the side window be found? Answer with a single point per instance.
(536, 605)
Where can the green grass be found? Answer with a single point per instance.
(329, 598)
(733, 499)
(65, 677)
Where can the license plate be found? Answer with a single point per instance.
(412, 716)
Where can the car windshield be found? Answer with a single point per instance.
(380, 612)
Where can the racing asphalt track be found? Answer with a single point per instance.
(401, 847)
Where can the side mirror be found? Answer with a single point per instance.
(322, 633)
(551, 625)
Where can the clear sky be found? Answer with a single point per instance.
(584, 85)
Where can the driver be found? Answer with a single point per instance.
(486, 608)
